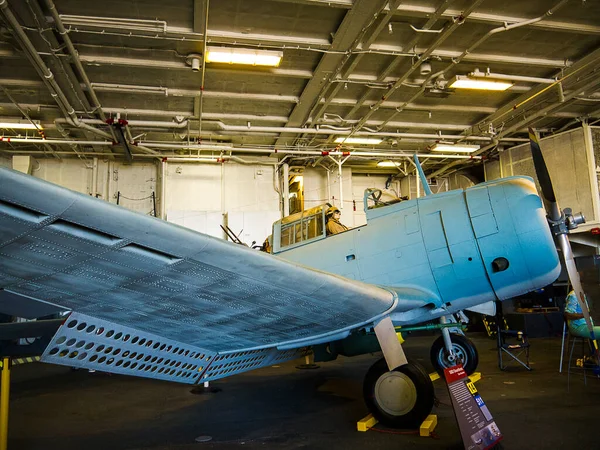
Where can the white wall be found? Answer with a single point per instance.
(318, 189)
(198, 196)
(135, 184)
(194, 187)
(74, 174)
(204, 196)
(135, 181)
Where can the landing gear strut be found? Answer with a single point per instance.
(397, 392)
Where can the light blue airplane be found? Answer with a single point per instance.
(144, 297)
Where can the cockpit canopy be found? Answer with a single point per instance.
(310, 225)
(300, 228)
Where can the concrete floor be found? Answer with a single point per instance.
(284, 408)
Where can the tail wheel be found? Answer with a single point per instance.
(465, 353)
(401, 398)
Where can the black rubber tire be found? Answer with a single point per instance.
(417, 400)
(464, 349)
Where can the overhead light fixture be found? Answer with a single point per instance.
(388, 164)
(464, 82)
(22, 125)
(455, 148)
(231, 55)
(353, 140)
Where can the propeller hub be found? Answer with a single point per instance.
(573, 220)
(568, 221)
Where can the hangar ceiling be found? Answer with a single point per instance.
(113, 79)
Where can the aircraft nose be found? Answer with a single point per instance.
(513, 236)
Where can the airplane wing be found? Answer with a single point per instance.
(153, 299)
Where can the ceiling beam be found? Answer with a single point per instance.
(365, 43)
(355, 21)
(432, 20)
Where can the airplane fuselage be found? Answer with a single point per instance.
(464, 247)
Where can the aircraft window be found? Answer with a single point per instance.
(313, 226)
(301, 230)
(288, 235)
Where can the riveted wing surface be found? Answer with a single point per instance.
(101, 260)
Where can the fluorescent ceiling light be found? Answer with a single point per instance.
(388, 164)
(230, 55)
(458, 148)
(21, 125)
(353, 140)
(464, 82)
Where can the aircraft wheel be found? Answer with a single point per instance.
(401, 398)
(464, 351)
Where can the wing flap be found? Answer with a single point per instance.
(86, 342)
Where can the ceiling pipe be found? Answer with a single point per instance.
(158, 29)
(136, 123)
(17, 140)
(22, 111)
(204, 52)
(396, 125)
(223, 126)
(477, 58)
(199, 158)
(306, 74)
(257, 118)
(58, 65)
(159, 90)
(266, 151)
(75, 59)
(45, 73)
(485, 17)
(499, 76)
(188, 114)
(344, 133)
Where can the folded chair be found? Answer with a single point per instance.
(513, 345)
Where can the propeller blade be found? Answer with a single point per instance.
(575, 281)
(543, 176)
(555, 215)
